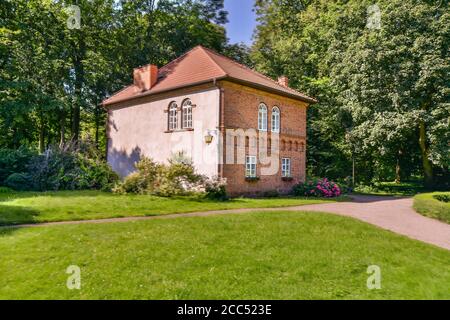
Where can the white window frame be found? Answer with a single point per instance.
(173, 116)
(276, 116)
(262, 117)
(286, 167)
(250, 166)
(186, 111)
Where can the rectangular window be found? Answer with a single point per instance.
(286, 167)
(250, 166)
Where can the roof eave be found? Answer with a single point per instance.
(225, 77)
(273, 90)
(149, 93)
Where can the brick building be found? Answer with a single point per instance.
(231, 121)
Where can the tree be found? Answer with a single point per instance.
(385, 89)
(53, 77)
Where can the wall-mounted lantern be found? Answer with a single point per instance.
(208, 137)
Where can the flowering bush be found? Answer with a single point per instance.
(317, 188)
(175, 178)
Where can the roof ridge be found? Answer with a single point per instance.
(179, 58)
(212, 60)
(253, 70)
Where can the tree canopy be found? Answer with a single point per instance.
(383, 85)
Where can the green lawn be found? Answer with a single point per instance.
(265, 255)
(34, 207)
(390, 189)
(428, 205)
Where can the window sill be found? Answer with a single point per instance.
(287, 178)
(179, 130)
(251, 179)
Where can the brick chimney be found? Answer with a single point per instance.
(145, 77)
(284, 81)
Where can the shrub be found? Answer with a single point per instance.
(71, 167)
(215, 188)
(317, 188)
(176, 178)
(133, 183)
(14, 161)
(442, 197)
(431, 205)
(271, 194)
(5, 190)
(19, 181)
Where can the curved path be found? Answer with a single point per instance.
(394, 214)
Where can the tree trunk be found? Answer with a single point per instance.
(398, 168)
(424, 150)
(97, 123)
(41, 131)
(79, 80)
(62, 129)
(41, 138)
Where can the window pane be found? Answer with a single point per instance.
(173, 116)
(250, 166)
(275, 119)
(286, 167)
(262, 117)
(187, 114)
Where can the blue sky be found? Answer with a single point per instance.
(242, 20)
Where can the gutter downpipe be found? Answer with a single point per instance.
(221, 142)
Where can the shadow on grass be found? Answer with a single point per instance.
(60, 194)
(12, 215)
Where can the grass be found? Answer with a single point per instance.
(35, 207)
(261, 255)
(390, 189)
(429, 205)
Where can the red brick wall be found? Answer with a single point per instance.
(241, 111)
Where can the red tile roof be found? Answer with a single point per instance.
(201, 65)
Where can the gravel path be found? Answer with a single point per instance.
(394, 214)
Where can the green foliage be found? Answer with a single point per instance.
(383, 93)
(442, 197)
(175, 178)
(215, 189)
(5, 190)
(317, 188)
(19, 181)
(74, 166)
(271, 194)
(434, 205)
(14, 161)
(391, 188)
(52, 78)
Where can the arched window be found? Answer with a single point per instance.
(186, 111)
(173, 116)
(262, 117)
(275, 119)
